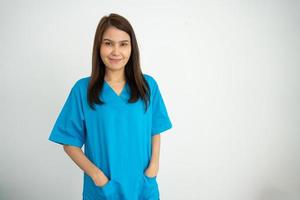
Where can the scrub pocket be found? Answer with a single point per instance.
(110, 191)
(150, 189)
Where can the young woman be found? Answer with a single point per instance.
(117, 113)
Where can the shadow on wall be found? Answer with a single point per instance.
(272, 193)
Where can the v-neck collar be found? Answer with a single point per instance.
(114, 92)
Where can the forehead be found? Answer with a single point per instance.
(115, 34)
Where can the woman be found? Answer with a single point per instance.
(117, 113)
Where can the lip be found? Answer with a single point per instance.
(114, 60)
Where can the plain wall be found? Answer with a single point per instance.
(228, 72)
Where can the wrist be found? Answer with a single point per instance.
(153, 164)
(96, 174)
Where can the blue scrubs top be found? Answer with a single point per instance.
(116, 137)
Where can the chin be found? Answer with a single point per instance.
(115, 68)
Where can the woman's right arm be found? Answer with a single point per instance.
(77, 155)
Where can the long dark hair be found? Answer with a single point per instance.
(133, 73)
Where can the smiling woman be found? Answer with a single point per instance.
(118, 113)
(114, 53)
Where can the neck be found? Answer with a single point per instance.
(114, 76)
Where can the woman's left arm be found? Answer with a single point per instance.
(153, 167)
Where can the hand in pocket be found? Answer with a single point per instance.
(101, 181)
(151, 171)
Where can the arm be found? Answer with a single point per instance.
(76, 154)
(153, 167)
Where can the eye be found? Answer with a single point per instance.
(107, 43)
(124, 44)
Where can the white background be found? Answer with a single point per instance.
(228, 72)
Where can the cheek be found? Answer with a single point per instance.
(104, 51)
(128, 53)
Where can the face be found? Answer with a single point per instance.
(115, 48)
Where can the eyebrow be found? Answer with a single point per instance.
(114, 41)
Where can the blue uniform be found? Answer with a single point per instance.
(116, 137)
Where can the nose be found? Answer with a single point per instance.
(115, 50)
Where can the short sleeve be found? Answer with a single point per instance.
(160, 118)
(69, 128)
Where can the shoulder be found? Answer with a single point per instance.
(150, 80)
(83, 80)
(81, 84)
(154, 89)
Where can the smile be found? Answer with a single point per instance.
(114, 60)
